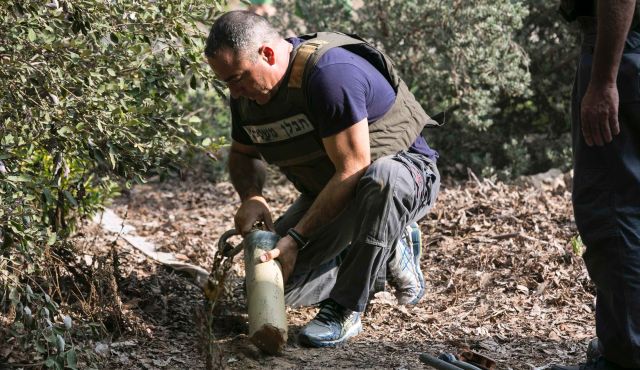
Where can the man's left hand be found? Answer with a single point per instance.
(286, 251)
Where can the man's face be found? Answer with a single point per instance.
(244, 77)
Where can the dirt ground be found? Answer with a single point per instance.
(502, 279)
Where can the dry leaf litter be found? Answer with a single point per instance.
(502, 279)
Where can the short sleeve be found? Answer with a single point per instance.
(337, 97)
(237, 132)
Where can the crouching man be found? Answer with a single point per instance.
(331, 113)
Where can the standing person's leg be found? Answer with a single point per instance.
(613, 258)
(606, 199)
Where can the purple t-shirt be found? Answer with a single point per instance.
(343, 90)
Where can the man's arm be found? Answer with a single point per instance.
(599, 108)
(247, 173)
(350, 153)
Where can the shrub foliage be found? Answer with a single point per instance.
(93, 93)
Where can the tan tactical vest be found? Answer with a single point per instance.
(286, 135)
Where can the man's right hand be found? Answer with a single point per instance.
(252, 210)
(599, 114)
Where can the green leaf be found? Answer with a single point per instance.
(60, 343)
(47, 196)
(31, 35)
(51, 338)
(111, 72)
(206, 142)
(576, 245)
(50, 362)
(70, 198)
(63, 131)
(72, 361)
(194, 119)
(112, 157)
(137, 49)
(19, 178)
(193, 83)
(139, 179)
(52, 238)
(8, 139)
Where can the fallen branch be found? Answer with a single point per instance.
(109, 221)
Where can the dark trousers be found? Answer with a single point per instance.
(606, 200)
(344, 258)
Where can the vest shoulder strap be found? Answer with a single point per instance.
(316, 44)
(305, 51)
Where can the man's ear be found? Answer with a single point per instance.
(268, 54)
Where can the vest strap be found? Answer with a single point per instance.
(299, 63)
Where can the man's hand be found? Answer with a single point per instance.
(286, 251)
(599, 114)
(599, 108)
(252, 210)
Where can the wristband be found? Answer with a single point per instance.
(300, 240)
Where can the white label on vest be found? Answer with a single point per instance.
(280, 130)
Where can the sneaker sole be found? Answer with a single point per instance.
(352, 332)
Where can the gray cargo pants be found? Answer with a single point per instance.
(606, 201)
(344, 258)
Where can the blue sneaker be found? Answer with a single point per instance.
(331, 327)
(403, 268)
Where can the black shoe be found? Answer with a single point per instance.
(594, 350)
(599, 363)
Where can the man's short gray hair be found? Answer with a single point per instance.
(241, 31)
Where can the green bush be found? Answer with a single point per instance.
(541, 120)
(210, 119)
(95, 94)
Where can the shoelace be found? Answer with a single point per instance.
(331, 311)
